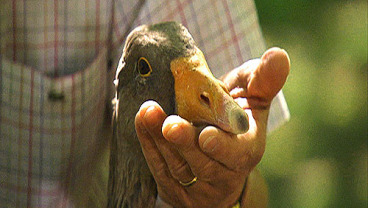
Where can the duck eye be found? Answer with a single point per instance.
(143, 67)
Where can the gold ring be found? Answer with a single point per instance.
(189, 183)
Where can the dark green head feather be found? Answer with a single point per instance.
(158, 44)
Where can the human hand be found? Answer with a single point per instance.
(221, 161)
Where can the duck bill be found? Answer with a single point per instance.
(204, 100)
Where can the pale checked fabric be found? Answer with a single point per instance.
(57, 61)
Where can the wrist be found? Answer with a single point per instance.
(237, 204)
(255, 193)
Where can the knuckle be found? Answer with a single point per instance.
(179, 170)
(161, 175)
(208, 172)
(186, 144)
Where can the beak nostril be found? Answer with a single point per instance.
(205, 99)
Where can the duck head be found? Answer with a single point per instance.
(161, 62)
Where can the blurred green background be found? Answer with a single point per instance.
(319, 158)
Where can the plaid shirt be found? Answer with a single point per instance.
(56, 81)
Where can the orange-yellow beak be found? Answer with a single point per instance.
(202, 99)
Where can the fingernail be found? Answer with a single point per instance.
(172, 132)
(148, 111)
(210, 144)
(148, 105)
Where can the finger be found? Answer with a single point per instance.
(183, 135)
(237, 80)
(270, 75)
(237, 152)
(152, 117)
(260, 78)
(154, 159)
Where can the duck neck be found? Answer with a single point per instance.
(130, 182)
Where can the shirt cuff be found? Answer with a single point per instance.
(279, 113)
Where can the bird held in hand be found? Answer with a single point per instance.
(161, 62)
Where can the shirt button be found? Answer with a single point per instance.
(55, 96)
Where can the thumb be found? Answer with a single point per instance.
(270, 75)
